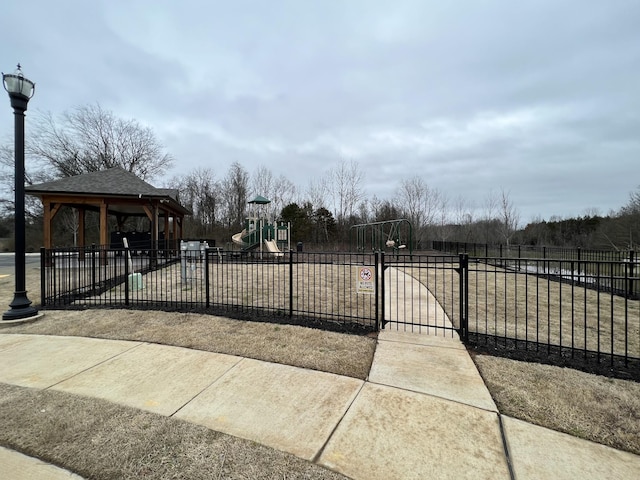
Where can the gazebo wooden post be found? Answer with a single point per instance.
(47, 224)
(50, 211)
(153, 258)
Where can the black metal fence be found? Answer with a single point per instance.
(302, 287)
(562, 308)
(566, 308)
(91, 276)
(579, 313)
(533, 251)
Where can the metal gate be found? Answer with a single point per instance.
(425, 294)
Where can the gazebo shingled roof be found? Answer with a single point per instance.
(114, 182)
(112, 191)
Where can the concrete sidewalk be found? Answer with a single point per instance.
(16, 466)
(424, 411)
(410, 306)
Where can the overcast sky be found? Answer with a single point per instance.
(539, 98)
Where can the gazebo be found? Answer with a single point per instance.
(116, 192)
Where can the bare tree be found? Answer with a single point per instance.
(200, 192)
(623, 230)
(364, 211)
(633, 205)
(500, 218)
(317, 192)
(262, 181)
(346, 186)
(508, 215)
(375, 204)
(7, 162)
(443, 218)
(89, 138)
(488, 225)
(69, 218)
(279, 190)
(592, 212)
(490, 206)
(35, 174)
(282, 194)
(420, 205)
(463, 218)
(235, 189)
(384, 210)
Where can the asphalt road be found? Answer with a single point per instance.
(7, 263)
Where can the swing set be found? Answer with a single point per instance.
(390, 234)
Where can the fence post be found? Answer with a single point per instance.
(207, 285)
(291, 283)
(93, 267)
(43, 274)
(579, 264)
(382, 291)
(464, 296)
(376, 261)
(126, 275)
(631, 264)
(54, 275)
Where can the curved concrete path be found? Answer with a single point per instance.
(16, 466)
(411, 307)
(424, 411)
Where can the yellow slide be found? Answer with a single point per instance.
(237, 238)
(272, 248)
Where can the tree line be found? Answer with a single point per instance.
(90, 138)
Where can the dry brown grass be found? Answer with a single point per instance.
(7, 285)
(597, 408)
(101, 440)
(349, 355)
(530, 308)
(326, 288)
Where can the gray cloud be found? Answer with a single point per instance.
(536, 97)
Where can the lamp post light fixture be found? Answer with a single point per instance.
(20, 91)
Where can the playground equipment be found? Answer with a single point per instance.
(261, 234)
(394, 234)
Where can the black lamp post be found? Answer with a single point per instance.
(20, 91)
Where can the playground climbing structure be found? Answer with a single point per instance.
(261, 234)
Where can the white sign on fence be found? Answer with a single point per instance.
(366, 280)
